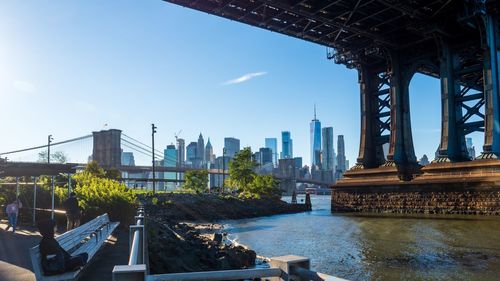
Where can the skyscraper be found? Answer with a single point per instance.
(200, 151)
(181, 152)
(209, 153)
(341, 163)
(272, 143)
(128, 159)
(231, 146)
(266, 155)
(286, 145)
(315, 134)
(191, 153)
(170, 160)
(328, 153)
(471, 150)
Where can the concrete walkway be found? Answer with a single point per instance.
(15, 262)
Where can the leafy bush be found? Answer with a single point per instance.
(243, 178)
(266, 186)
(98, 195)
(196, 181)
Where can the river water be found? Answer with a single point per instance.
(378, 247)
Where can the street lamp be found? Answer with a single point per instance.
(49, 140)
(223, 168)
(153, 131)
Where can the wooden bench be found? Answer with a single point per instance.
(87, 238)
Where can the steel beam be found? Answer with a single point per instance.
(491, 148)
(452, 146)
(401, 153)
(373, 84)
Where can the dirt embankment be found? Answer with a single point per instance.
(210, 207)
(176, 246)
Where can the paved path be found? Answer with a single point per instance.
(15, 262)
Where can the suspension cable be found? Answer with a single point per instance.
(43, 146)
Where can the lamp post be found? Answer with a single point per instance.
(49, 140)
(153, 131)
(223, 168)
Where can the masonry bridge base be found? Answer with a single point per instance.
(471, 187)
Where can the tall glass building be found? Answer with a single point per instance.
(209, 153)
(181, 152)
(200, 151)
(315, 132)
(341, 161)
(231, 145)
(272, 143)
(170, 160)
(191, 153)
(328, 152)
(286, 145)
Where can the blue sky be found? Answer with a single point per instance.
(69, 67)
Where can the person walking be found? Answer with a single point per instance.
(73, 214)
(12, 211)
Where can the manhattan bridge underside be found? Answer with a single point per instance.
(388, 41)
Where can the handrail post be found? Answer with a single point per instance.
(139, 239)
(285, 263)
(136, 269)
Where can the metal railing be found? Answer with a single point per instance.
(137, 244)
(284, 268)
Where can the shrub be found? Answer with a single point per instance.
(249, 184)
(196, 181)
(98, 195)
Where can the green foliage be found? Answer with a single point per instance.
(262, 186)
(56, 157)
(95, 170)
(113, 174)
(243, 178)
(98, 195)
(241, 170)
(154, 201)
(196, 181)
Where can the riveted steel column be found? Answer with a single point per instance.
(491, 148)
(452, 146)
(401, 153)
(370, 149)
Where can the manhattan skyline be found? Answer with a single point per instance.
(70, 74)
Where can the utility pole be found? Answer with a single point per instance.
(223, 168)
(153, 131)
(49, 140)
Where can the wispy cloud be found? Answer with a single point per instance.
(24, 86)
(244, 78)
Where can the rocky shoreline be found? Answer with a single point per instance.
(183, 235)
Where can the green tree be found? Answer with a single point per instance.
(244, 179)
(263, 185)
(241, 170)
(95, 170)
(196, 181)
(113, 174)
(56, 157)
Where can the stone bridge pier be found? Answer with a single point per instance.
(470, 102)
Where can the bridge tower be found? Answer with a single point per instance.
(107, 148)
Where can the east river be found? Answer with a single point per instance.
(379, 247)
